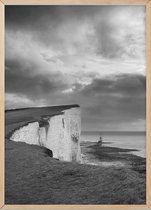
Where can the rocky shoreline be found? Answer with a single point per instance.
(104, 155)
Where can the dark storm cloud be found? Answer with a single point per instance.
(114, 109)
(125, 84)
(21, 81)
(43, 21)
(51, 25)
(30, 17)
(115, 100)
(35, 17)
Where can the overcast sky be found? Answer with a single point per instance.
(93, 56)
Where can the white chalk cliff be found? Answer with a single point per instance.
(60, 133)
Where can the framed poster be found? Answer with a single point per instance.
(76, 104)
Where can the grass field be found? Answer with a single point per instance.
(32, 177)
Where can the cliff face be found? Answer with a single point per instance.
(60, 133)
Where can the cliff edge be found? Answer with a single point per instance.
(58, 131)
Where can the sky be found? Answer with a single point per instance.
(93, 56)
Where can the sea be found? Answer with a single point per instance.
(126, 140)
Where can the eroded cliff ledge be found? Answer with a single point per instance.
(58, 131)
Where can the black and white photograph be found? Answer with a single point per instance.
(75, 104)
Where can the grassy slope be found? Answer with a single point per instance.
(32, 177)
